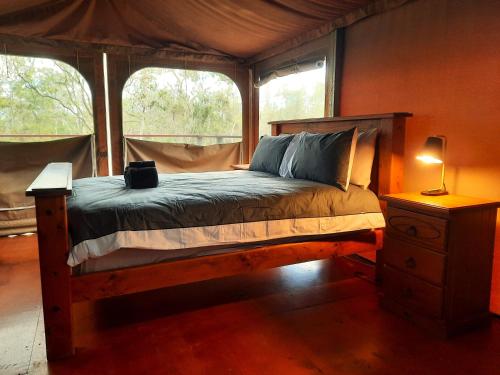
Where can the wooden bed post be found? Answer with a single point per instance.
(50, 190)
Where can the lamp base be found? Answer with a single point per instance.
(434, 192)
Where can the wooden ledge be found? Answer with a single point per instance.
(450, 202)
(240, 167)
(54, 180)
(344, 118)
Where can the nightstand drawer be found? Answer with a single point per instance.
(417, 228)
(411, 292)
(414, 260)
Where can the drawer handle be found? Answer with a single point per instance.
(407, 293)
(410, 262)
(427, 231)
(411, 231)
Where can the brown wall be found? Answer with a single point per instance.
(440, 60)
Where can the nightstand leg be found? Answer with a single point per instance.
(379, 264)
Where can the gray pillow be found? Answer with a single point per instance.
(269, 153)
(286, 164)
(363, 158)
(325, 158)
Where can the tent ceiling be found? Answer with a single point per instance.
(236, 28)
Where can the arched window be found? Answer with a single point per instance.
(42, 99)
(182, 106)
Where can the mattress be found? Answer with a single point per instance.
(191, 212)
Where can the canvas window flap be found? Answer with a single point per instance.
(20, 164)
(179, 157)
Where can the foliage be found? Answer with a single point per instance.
(184, 102)
(292, 97)
(41, 96)
(169, 101)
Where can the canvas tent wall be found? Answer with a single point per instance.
(224, 28)
(237, 38)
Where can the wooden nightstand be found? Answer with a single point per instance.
(240, 167)
(437, 260)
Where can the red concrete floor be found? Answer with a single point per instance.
(314, 318)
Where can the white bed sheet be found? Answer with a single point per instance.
(154, 246)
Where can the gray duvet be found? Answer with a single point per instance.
(102, 206)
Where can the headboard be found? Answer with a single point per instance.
(387, 171)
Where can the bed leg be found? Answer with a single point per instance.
(53, 247)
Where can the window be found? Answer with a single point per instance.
(182, 106)
(300, 95)
(42, 99)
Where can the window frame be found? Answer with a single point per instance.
(294, 74)
(121, 67)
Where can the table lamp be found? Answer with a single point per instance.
(433, 152)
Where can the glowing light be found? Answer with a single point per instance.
(428, 159)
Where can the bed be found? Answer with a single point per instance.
(196, 214)
(200, 226)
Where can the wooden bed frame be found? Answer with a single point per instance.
(60, 289)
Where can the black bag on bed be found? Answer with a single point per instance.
(141, 175)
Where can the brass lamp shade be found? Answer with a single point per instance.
(433, 152)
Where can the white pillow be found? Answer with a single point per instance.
(363, 158)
